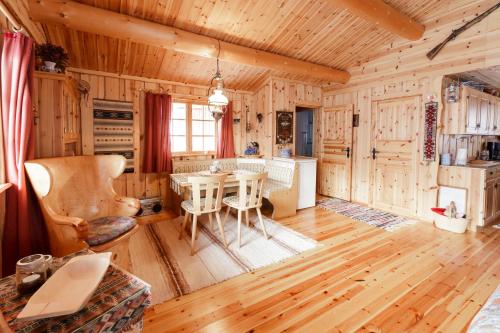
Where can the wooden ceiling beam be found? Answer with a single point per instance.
(384, 16)
(108, 23)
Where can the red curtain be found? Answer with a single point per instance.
(225, 143)
(24, 231)
(157, 152)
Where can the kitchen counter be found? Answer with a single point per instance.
(478, 165)
(295, 158)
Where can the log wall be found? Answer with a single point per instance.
(403, 70)
(132, 89)
(278, 94)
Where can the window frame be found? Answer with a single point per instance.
(189, 132)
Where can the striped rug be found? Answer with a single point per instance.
(371, 216)
(164, 261)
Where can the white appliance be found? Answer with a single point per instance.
(307, 180)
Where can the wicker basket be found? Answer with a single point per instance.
(451, 224)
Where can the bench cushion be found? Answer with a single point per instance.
(104, 229)
(273, 186)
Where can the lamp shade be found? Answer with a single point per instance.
(218, 98)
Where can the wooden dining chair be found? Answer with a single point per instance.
(246, 200)
(199, 205)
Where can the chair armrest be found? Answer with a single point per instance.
(80, 225)
(125, 206)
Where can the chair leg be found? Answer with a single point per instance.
(261, 221)
(225, 216)
(221, 228)
(183, 226)
(211, 222)
(247, 219)
(193, 232)
(239, 227)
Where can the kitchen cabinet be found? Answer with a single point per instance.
(475, 113)
(483, 191)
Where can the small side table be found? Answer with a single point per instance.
(117, 305)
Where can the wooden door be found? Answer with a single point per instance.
(490, 201)
(471, 105)
(394, 154)
(497, 198)
(483, 115)
(336, 152)
(495, 111)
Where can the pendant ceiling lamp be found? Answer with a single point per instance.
(216, 95)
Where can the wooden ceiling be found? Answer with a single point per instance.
(488, 78)
(313, 31)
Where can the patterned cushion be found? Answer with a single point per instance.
(234, 201)
(272, 186)
(106, 228)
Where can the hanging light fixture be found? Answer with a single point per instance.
(216, 95)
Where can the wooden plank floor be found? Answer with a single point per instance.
(362, 279)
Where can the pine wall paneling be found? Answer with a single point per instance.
(278, 94)
(403, 70)
(132, 89)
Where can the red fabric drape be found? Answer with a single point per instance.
(157, 152)
(24, 231)
(225, 143)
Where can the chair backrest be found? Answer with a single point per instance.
(77, 186)
(209, 184)
(255, 181)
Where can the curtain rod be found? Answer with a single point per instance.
(16, 26)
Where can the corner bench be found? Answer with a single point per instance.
(280, 188)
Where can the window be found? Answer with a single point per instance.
(193, 128)
(178, 127)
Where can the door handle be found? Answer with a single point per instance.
(374, 153)
(348, 151)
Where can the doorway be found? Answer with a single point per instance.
(304, 131)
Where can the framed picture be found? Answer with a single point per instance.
(284, 127)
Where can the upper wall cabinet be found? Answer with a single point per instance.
(475, 113)
(56, 105)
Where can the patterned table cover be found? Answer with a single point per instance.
(117, 305)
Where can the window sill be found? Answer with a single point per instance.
(4, 187)
(193, 154)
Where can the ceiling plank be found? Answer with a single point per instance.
(384, 16)
(104, 22)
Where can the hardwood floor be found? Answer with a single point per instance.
(363, 279)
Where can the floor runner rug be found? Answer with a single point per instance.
(164, 261)
(371, 216)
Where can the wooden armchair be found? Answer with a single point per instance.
(81, 208)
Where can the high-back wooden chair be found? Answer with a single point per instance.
(198, 205)
(249, 197)
(80, 207)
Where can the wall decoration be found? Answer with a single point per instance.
(284, 127)
(430, 125)
(114, 130)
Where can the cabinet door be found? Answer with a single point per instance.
(490, 201)
(495, 110)
(471, 107)
(497, 198)
(483, 115)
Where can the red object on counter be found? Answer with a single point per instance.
(438, 210)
